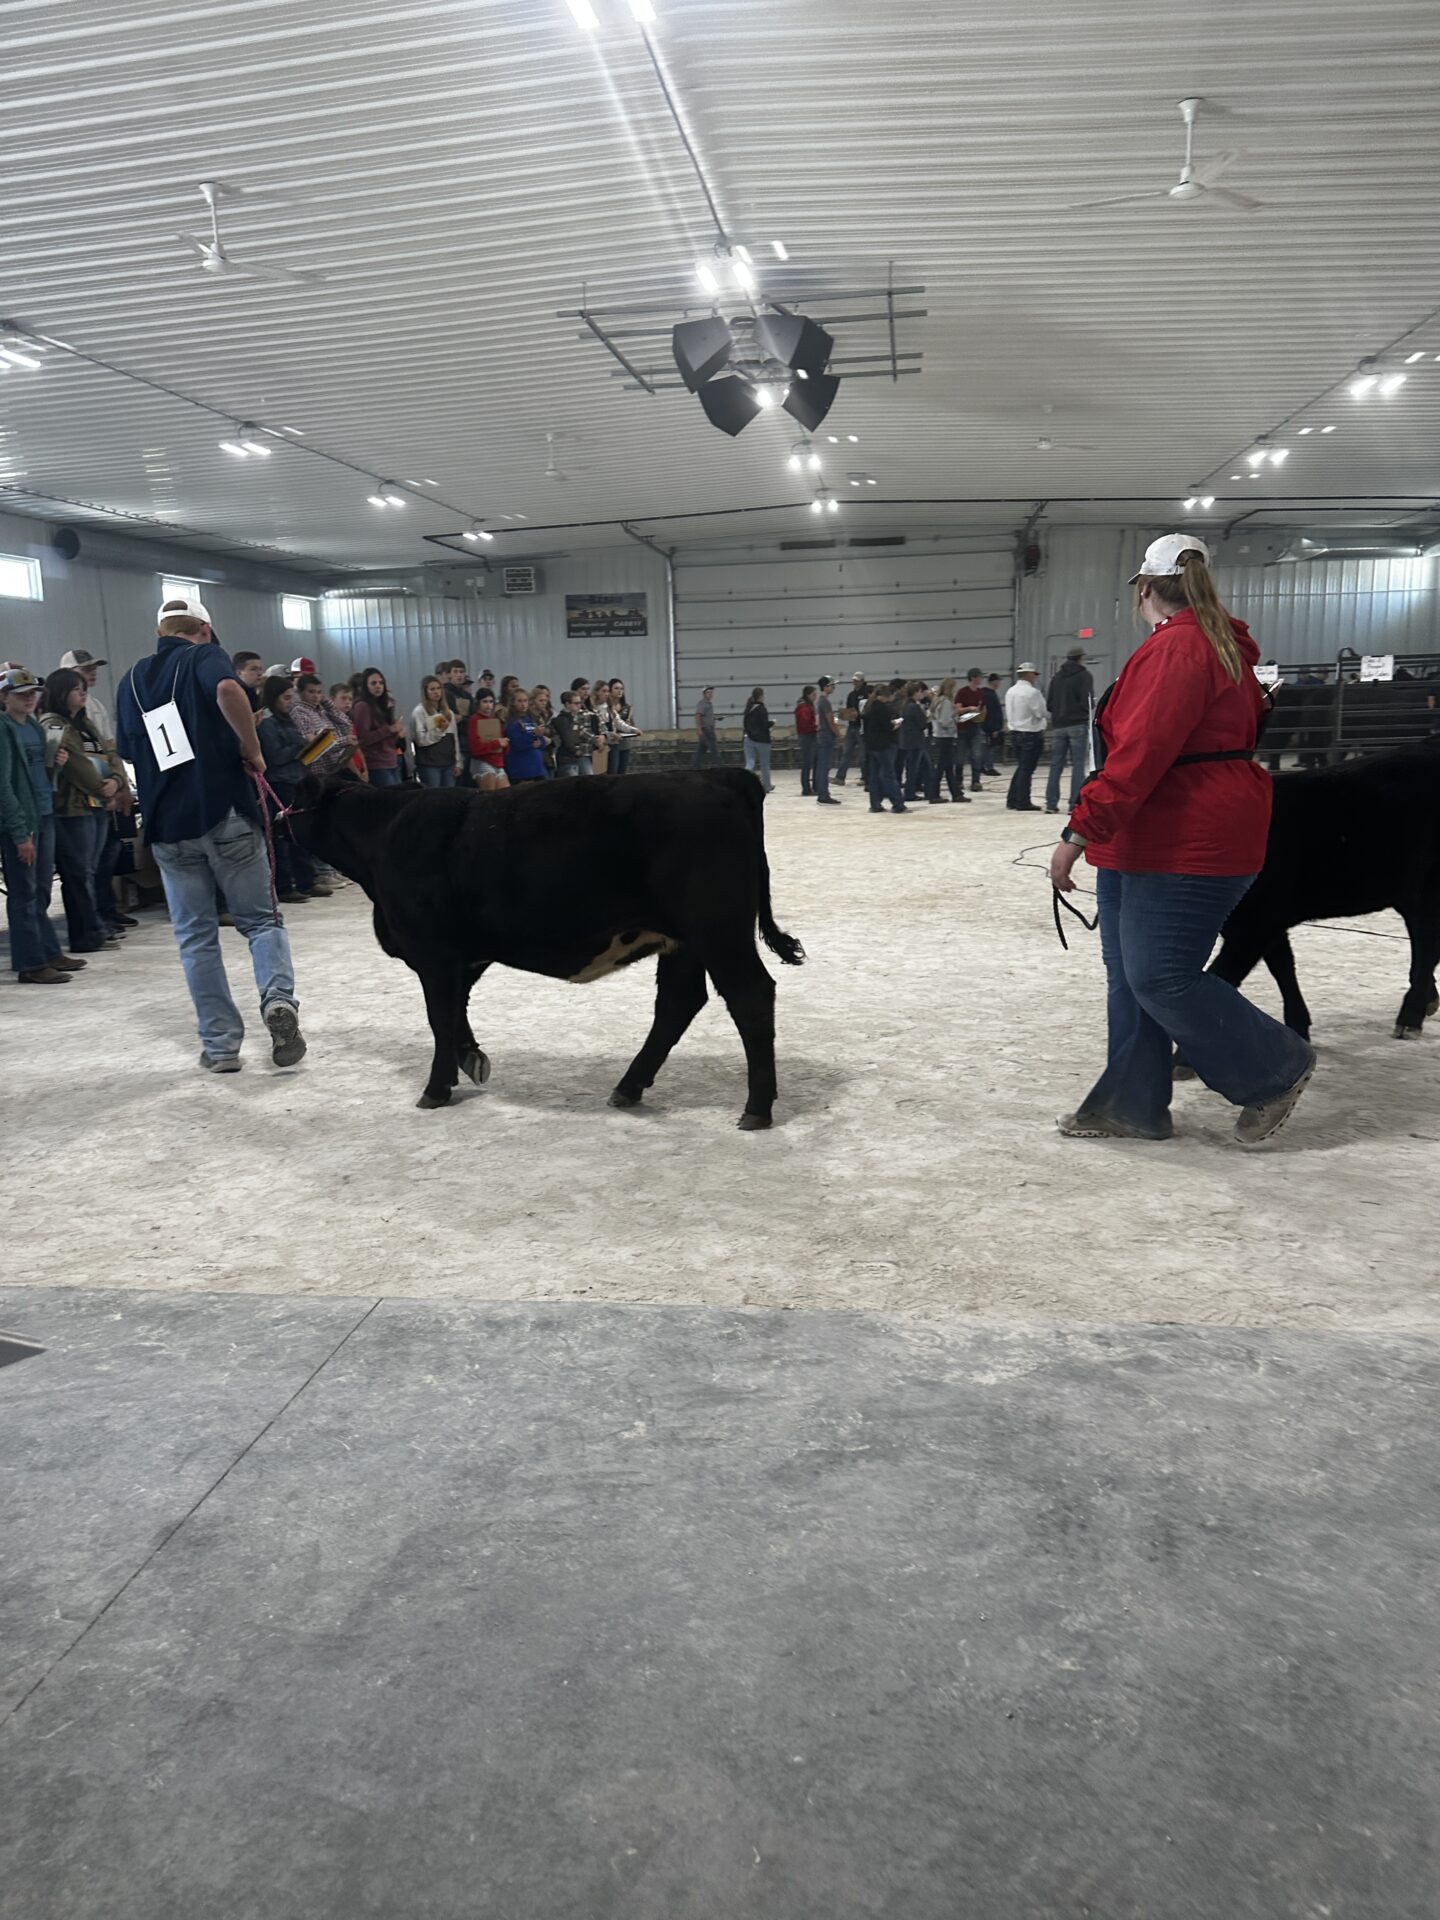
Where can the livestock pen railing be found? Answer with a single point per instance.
(1324, 712)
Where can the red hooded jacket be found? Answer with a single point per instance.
(1143, 814)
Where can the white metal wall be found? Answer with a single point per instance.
(526, 634)
(1311, 610)
(764, 617)
(405, 636)
(111, 610)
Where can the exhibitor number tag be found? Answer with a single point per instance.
(169, 741)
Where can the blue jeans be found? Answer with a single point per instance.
(757, 759)
(915, 772)
(707, 747)
(232, 857)
(33, 941)
(824, 753)
(1027, 758)
(1075, 741)
(884, 782)
(108, 844)
(852, 751)
(1156, 933)
(619, 760)
(77, 849)
(573, 769)
(436, 776)
(972, 748)
(384, 776)
(809, 749)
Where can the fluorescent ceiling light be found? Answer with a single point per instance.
(376, 500)
(814, 461)
(1392, 383)
(486, 536)
(1237, 476)
(832, 506)
(18, 359)
(853, 438)
(779, 249)
(1327, 429)
(1363, 385)
(584, 14)
(234, 449)
(1206, 499)
(1257, 456)
(764, 397)
(744, 277)
(875, 483)
(1278, 456)
(707, 276)
(643, 10)
(794, 463)
(257, 446)
(833, 438)
(1412, 358)
(1193, 501)
(817, 506)
(854, 483)
(1305, 430)
(744, 253)
(393, 499)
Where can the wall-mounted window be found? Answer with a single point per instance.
(20, 578)
(295, 613)
(179, 590)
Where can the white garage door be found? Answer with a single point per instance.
(777, 617)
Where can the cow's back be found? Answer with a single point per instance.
(1354, 839)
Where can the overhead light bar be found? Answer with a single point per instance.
(1412, 358)
(1278, 456)
(764, 397)
(13, 357)
(1392, 383)
(744, 275)
(235, 450)
(253, 444)
(644, 11)
(1305, 430)
(779, 249)
(377, 500)
(1361, 386)
(583, 14)
(707, 276)
(1327, 429)
(476, 532)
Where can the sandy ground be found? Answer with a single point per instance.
(924, 1050)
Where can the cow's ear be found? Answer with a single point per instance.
(311, 792)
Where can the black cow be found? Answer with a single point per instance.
(1346, 840)
(570, 878)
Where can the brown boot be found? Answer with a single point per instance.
(67, 963)
(43, 977)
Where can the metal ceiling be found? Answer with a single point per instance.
(463, 170)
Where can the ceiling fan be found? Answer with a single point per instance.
(212, 253)
(1195, 182)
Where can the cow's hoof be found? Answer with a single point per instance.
(1182, 1070)
(1407, 1033)
(475, 1065)
(1432, 1005)
(427, 1101)
(623, 1100)
(754, 1122)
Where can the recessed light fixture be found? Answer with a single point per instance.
(853, 438)
(377, 500)
(744, 274)
(707, 276)
(1192, 502)
(764, 397)
(250, 440)
(1361, 386)
(1412, 358)
(1237, 476)
(643, 10)
(476, 532)
(583, 14)
(1206, 499)
(1392, 383)
(1327, 429)
(1305, 430)
(779, 249)
(14, 357)
(1278, 456)
(235, 450)
(833, 438)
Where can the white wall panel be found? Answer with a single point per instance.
(765, 617)
(405, 636)
(526, 634)
(111, 610)
(1311, 610)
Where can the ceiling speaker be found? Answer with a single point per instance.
(808, 401)
(731, 405)
(702, 348)
(798, 342)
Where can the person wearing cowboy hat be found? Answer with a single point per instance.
(27, 835)
(1025, 715)
(1175, 821)
(188, 727)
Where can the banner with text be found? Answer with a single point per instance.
(605, 616)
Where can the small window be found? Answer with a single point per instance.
(295, 613)
(179, 590)
(20, 578)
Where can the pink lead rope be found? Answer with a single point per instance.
(264, 792)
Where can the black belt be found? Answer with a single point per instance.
(1233, 753)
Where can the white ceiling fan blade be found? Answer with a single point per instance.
(1241, 202)
(281, 274)
(1210, 170)
(196, 245)
(1118, 200)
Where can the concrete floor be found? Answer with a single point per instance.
(924, 1049)
(496, 1597)
(551, 1611)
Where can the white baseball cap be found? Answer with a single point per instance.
(1027, 666)
(185, 606)
(1163, 556)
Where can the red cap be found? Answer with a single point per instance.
(302, 665)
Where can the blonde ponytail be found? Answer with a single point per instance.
(1194, 587)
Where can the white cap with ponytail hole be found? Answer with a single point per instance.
(1163, 556)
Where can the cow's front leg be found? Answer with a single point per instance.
(1279, 957)
(1423, 925)
(443, 982)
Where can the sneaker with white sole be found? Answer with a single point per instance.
(1266, 1117)
(283, 1022)
(220, 1062)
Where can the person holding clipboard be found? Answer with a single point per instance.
(187, 727)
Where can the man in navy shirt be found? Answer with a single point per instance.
(192, 766)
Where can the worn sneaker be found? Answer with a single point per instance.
(220, 1062)
(43, 977)
(1257, 1123)
(67, 963)
(283, 1022)
(1099, 1126)
(320, 889)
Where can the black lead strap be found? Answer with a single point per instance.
(1058, 900)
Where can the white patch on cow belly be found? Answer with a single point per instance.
(622, 949)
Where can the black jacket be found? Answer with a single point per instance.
(878, 723)
(914, 723)
(1071, 692)
(757, 721)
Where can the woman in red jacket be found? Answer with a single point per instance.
(1176, 820)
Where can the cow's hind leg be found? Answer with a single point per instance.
(1240, 952)
(1422, 923)
(444, 984)
(749, 993)
(679, 996)
(474, 1064)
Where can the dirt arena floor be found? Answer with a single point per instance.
(924, 1051)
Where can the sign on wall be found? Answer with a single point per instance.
(1377, 666)
(605, 616)
(519, 580)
